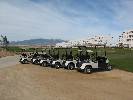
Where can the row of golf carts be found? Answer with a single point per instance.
(85, 60)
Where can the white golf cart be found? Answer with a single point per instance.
(25, 58)
(70, 62)
(95, 61)
(56, 61)
(45, 60)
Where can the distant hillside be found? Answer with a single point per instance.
(37, 42)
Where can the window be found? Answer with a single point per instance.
(130, 36)
(128, 39)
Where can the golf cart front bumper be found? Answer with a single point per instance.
(47, 61)
(52, 64)
(22, 59)
(63, 64)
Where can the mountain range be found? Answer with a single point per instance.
(37, 42)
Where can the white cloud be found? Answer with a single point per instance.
(24, 19)
(34, 20)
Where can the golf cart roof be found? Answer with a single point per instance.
(74, 47)
(82, 47)
(92, 45)
(90, 51)
(56, 47)
(96, 45)
(80, 50)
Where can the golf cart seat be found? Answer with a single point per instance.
(101, 59)
(24, 55)
(69, 57)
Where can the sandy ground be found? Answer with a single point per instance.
(4, 53)
(9, 61)
(31, 82)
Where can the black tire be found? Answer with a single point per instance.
(36, 62)
(88, 70)
(33, 62)
(109, 67)
(71, 66)
(44, 64)
(21, 62)
(57, 66)
(26, 61)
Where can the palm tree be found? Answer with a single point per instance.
(0, 42)
(4, 41)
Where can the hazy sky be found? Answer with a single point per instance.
(65, 19)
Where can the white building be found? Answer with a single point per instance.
(126, 39)
(63, 44)
(101, 39)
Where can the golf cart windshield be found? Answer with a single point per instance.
(69, 55)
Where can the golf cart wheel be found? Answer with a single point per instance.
(88, 70)
(71, 66)
(44, 64)
(109, 67)
(24, 62)
(36, 62)
(31, 61)
(57, 66)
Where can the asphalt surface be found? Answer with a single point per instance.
(9, 61)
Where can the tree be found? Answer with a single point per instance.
(4, 41)
(0, 42)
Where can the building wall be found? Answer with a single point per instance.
(94, 40)
(126, 39)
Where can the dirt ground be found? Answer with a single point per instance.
(9, 61)
(31, 82)
(4, 53)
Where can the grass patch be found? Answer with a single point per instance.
(121, 59)
(13, 49)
